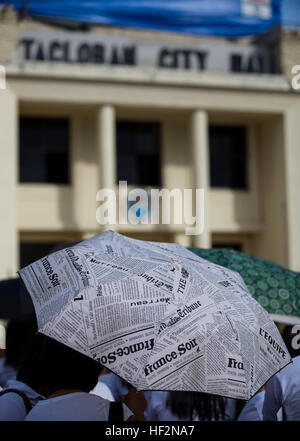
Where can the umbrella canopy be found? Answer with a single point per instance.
(276, 288)
(157, 315)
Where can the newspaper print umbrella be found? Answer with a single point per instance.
(276, 288)
(161, 320)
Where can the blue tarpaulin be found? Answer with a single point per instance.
(230, 18)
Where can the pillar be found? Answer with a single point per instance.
(9, 256)
(106, 144)
(200, 164)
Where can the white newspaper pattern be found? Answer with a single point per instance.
(165, 320)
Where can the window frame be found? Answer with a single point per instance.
(158, 140)
(45, 117)
(247, 177)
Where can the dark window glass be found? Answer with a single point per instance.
(234, 246)
(138, 153)
(32, 251)
(228, 156)
(44, 150)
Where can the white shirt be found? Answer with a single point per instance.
(283, 390)
(78, 406)
(12, 407)
(115, 385)
(157, 410)
(102, 390)
(252, 411)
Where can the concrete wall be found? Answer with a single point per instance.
(289, 49)
(272, 242)
(72, 208)
(8, 33)
(85, 169)
(291, 139)
(8, 184)
(261, 218)
(239, 210)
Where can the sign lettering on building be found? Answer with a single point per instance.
(120, 50)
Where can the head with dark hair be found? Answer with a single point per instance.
(189, 405)
(61, 246)
(65, 368)
(32, 367)
(19, 335)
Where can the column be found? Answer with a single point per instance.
(292, 185)
(106, 144)
(200, 165)
(9, 258)
(272, 243)
(183, 239)
(85, 171)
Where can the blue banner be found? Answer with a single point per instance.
(230, 18)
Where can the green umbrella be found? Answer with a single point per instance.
(276, 288)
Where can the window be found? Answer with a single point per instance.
(228, 156)
(44, 150)
(235, 246)
(138, 153)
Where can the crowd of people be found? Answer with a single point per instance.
(44, 380)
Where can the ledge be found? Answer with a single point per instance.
(163, 77)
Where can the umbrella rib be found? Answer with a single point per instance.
(120, 336)
(237, 381)
(180, 367)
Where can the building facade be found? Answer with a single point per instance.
(85, 109)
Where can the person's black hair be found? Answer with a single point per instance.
(61, 246)
(191, 405)
(19, 335)
(65, 368)
(32, 368)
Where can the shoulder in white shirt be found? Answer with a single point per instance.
(12, 407)
(252, 411)
(78, 406)
(283, 390)
(102, 390)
